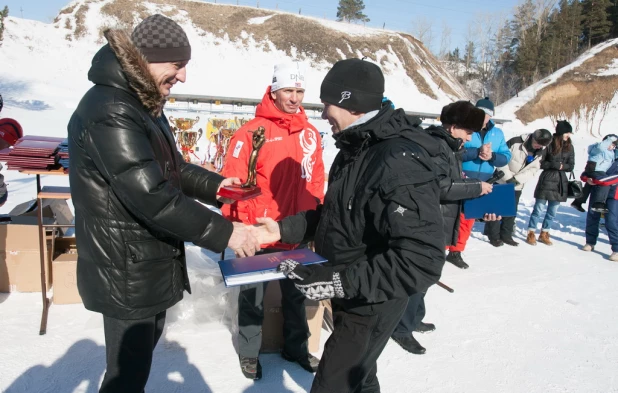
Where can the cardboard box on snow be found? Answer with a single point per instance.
(20, 263)
(64, 269)
(272, 327)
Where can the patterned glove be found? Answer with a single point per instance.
(315, 282)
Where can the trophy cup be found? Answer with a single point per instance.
(186, 137)
(249, 188)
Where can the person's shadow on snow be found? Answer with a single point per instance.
(81, 366)
(172, 372)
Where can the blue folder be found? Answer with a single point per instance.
(500, 201)
(260, 268)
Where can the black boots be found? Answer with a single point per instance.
(454, 257)
(410, 344)
(496, 243)
(510, 242)
(577, 206)
(425, 327)
(251, 367)
(309, 362)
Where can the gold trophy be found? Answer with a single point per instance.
(185, 137)
(249, 188)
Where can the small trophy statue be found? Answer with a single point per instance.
(185, 137)
(249, 188)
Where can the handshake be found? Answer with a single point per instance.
(246, 239)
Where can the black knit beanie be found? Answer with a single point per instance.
(354, 84)
(463, 114)
(563, 127)
(161, 40)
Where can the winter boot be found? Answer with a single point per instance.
(496, 243)
(308, 362)
(509, 240)
(410, 344)
(599, 207)
(544, 238)
(614, 257)
(531, 239)
(425, 327)
(251, 367)
(454, 257)
(577, 206)
(588, 247)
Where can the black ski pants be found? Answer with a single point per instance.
(496, 230)
(129, 344)
(349, 361)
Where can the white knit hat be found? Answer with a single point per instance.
(288, 75)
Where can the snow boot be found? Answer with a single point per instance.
(588, 247)
(578, 206)
(614, 257)
(510, 241)
(531, 239)
(308, 362)
(496, 243)
(544, 238)
(425, 327)
(251, 367)
(454, 257)
(410, 344)
(599, 207)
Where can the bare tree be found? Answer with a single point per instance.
(445, 40)
(423, 31)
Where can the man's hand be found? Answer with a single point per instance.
(230, 181)
(316, 282)
(486, 188)
(485, 152)
(491, 217)
(266, 230)
(242, 241)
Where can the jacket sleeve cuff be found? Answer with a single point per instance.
(218, 240)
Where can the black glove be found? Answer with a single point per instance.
(513, 180)
(316, 282)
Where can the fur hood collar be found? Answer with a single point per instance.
(121, 65)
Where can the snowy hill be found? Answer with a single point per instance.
(43, 71)
(585, 92)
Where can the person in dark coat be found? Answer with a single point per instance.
(135, 197)
(553, 185)
(459, 120)
(380, 226)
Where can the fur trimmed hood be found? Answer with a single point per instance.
(120, 64)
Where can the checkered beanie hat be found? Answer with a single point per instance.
(161, 40)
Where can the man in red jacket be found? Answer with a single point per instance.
(290, 172)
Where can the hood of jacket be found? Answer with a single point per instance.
(387, 124)
(291, 122)
(440, 132)
(121, 65)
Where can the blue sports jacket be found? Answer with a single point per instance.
(476, 168)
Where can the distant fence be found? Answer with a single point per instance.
(246, 106)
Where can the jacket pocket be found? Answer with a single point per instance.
(150, 272)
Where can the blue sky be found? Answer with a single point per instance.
(401, 15)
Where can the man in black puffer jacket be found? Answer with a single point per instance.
(380, 226)
(459, 120)
(134, 197)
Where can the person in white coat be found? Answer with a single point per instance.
(526, 154)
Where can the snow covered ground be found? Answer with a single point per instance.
(526, 319)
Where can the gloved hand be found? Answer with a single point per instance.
(513, 180)
(316, 282)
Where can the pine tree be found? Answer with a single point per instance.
(3, 14)
(597, 24)
(351, 10)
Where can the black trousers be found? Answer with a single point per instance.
(349, 361)
(585, 194)
(496, 230)
(128, 346)
(251, 316)
(412, 316)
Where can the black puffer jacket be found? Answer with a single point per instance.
(133, 193)
(380, 224)
(453, 188)
(553, 183)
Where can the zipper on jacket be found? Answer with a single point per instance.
(167, 170)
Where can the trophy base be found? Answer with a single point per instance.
(239, 193)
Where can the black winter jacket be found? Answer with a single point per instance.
(553, 183)
(133, 194)
(453, 188)
(380, 224)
